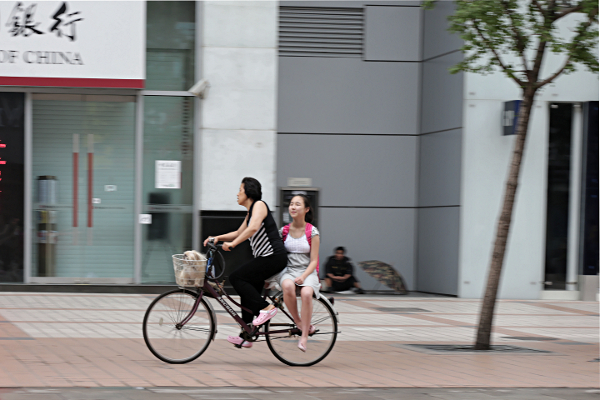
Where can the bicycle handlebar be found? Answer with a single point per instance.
(211, 245)
(212, 252)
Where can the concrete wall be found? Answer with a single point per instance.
(439, 156)
(486, 158)
(351, 125)
(238, 128)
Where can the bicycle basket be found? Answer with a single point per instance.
(189, 272)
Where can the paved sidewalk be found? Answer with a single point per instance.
(94, 340)
(298, 394)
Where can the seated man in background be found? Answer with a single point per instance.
(339, 273)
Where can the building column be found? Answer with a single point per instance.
(238, 117)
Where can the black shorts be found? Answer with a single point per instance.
(341, 286)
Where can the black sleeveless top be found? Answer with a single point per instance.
(266, 241)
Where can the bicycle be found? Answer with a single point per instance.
(180, 324)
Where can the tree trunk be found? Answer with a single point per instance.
(486, 318)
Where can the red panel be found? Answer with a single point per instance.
(73, 82)
(90, 176)
(75, 188)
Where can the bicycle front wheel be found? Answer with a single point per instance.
(282, 337)
(166, 338)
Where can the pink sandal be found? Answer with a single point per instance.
(264, 316)
(238, 341)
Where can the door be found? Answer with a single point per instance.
(167, 185)
(572, 196)
(83, 159)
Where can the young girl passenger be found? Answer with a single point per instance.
(301, 270)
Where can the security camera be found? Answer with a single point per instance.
(200, 88)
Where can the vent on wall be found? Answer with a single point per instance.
(321, 32)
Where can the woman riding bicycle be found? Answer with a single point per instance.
(270, 256)
(302, 245)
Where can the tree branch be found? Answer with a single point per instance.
(539, 55)
(567, 11)
(557, 73)
(539, 7)
(518, 37)
(496, 56)
(573, 46)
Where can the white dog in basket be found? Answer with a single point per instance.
(192, 273)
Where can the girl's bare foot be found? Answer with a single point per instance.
(302, 344)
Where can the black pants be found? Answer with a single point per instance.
(341, 286)
(249, 280)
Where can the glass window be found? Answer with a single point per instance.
(590, 193)
(170, 42)
(12, 184)
(559, 172)
(83, 176)
(167, 192)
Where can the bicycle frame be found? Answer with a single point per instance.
(249, 329)
(183, 315)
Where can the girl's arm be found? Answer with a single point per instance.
(229, 236)
(314, 259)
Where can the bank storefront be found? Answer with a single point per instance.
(96, 140)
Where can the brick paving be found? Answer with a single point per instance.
(94, 340)
(298, 393)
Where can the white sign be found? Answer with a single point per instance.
(73, 43)
(146, 219)
(304, 182)
(167, 174)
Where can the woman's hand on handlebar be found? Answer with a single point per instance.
(227, 246)
(216, 240)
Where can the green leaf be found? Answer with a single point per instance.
(498, 32)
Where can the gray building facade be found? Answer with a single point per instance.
(375, 128)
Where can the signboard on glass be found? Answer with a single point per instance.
(73, 43)
(168, 174)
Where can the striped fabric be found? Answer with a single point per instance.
(261, 246)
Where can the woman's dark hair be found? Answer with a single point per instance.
(309, 215)
(252, 188)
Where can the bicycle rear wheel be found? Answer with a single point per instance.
(284, 345)
(167, 341)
